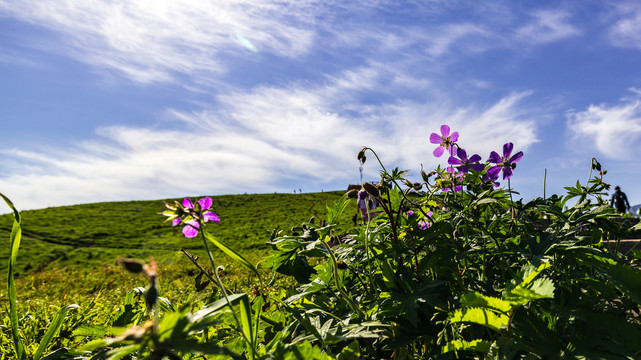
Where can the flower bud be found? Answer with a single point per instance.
(352, 194)
(417, 186)
(361, 156)
(371, 189)
(133, 266)
(151, 293)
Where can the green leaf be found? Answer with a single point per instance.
(246, 321)
(215, 307)
(304, 321)
(194, 347)
(14, 245)
(53, 329)
(625, 278)
(521, 296)
(91, 331)
(462, 345)
(350, 352)
(485, 317)
(121, 352)
(233, 254)
(58, 354)
(482, 301)
(334, 212)
(525, 277)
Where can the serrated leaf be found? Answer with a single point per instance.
(462, 345)
(521, 296)
(484, 317)
(543, 287)
(482, 301)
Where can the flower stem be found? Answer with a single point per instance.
(337, 281)
(224, 291)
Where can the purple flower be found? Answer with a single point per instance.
(505, 163)
(194, 213)
(464, 163)
(450, 179)
(489, 178)
(424, 224)
(445, 140)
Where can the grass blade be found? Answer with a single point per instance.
(246, 320)
(15, 237)
(53, 329)
(233, 254)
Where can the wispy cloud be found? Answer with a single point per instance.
(545, 26)
(152, 41)
(613, 130)
(267, 139)
(625, 30)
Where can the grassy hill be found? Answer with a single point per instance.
(84, 236)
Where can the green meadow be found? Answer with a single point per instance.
(71, 251)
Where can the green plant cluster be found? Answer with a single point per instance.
(464, 273)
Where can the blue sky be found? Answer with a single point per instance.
(116, 100)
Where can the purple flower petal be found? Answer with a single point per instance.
(507, 172)
(191, 229)
(493, 172)
(454, 161)
(507, 150)
(436, 138)
(462, 154)
(211, 216)
(188, 204)
(410, 213)
(445, 131)
(454, 137)
(494, 158)
(475, 158)
(205, 203)
(463, 169)
(423, 225)
(516, 158)
(438, 152)
(175, 222)
(430, 213)
(477, 167)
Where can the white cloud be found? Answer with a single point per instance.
(547, 26)
(151, 41)
(626, 29)
(451, 35)
(261, 141)
(615, 131)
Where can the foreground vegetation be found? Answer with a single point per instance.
(451, 267)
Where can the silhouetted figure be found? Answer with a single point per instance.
(620, 200)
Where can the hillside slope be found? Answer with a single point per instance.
(88, 234)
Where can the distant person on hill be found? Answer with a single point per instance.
(620, 200)
(361, 202)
